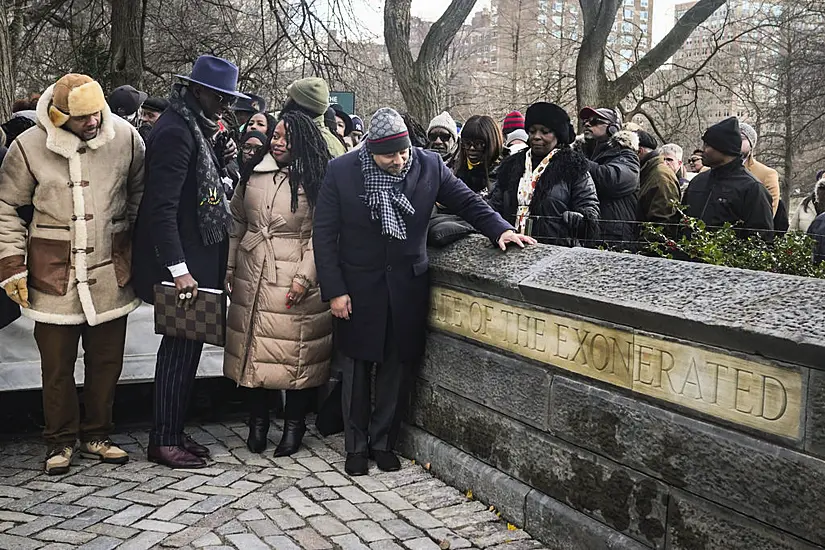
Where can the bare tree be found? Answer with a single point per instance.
(593, 85)
(418, 78)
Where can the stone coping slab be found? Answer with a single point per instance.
(781, 317)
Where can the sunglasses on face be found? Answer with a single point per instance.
(444, 137)
(476, 144)
(594, 122)
(694, 160)
(225, 100)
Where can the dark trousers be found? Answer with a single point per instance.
(175, 372)
(376, 428)
(103, 358)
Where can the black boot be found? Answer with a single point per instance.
(258, 421)
(294, 431)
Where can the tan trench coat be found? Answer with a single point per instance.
(268, 345)
(77, 253)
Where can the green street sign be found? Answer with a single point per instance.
(345, 100)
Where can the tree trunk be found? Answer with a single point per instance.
(7, 80)
(127, 43)
(417, 79)
(592, 85)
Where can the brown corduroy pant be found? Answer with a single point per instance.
(103, 347)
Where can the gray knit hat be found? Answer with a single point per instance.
(388, 133)
(444, 120)
(749, 133)
(311, 93)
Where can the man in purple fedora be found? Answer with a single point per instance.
(181, 236)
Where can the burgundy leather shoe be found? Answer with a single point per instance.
(174, 457)
(194, 447)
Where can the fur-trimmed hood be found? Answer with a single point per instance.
(65, 143)
(623, 139)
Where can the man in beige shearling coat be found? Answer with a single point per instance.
(82, 169)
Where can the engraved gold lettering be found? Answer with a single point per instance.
(784, 394)
(580, 340)
(540, 340)
(600, 354)
(476, 317)
(694, 381)
(753, 393)
(739, 389)
(560, 340)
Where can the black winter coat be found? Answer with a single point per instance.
(731, 194)
(166, 231)
(564, 186)
(383, 276)
(614, 166)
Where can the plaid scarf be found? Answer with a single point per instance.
(385, 201)
(214, 218)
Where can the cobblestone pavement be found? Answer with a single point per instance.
(242, 500)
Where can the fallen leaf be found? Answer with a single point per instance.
(470, 494)
(511, 527)
(427, 466)
(413, 461)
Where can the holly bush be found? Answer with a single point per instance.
(791, 253)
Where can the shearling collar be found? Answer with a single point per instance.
(65, 143)
(625, 139)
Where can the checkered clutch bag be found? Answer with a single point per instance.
(205, 321)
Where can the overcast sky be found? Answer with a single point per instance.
(370, 13)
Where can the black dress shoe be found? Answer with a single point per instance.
(356, 464)
(386, 461)
(174, 457)
(194, 447)
(258, 430)
(294, 431)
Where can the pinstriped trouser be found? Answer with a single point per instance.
(174, 377)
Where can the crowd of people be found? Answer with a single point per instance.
(316, 226)
(102, 199)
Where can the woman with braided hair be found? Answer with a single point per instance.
(279, 332)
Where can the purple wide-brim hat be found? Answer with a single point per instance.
(215, 73)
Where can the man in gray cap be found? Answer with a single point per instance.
(767, 176)
(373, 270)
(613, 161)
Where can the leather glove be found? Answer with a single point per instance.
(572, 219)
(18, 291)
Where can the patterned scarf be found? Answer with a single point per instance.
(385, 201)
(214, 217)
(526, 188)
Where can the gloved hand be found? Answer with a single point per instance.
(572, 219)
(18, 291)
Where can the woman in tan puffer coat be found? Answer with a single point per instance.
(279, 332)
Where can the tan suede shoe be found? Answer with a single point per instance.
(105, 451)
(59, 460)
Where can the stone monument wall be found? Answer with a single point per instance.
(602, 400)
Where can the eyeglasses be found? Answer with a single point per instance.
(443, 136)
(694, 160)
(251, 149)
(477, 144)
(594, 122)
